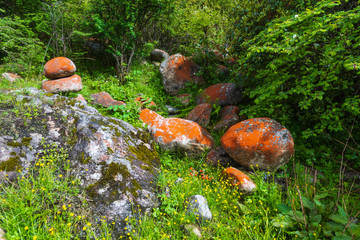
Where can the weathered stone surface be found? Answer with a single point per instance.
(192, 229)
(104, 99)
(116, 163)
(219, 157)
(176, 71)
(11, 77)
(239, 179)
(222, 94)
(59, 67)
(200, 114)
(80, 97)
(229, 116)
(177, 134)
(198, 205)
(2, 234)
(62, 85)
(261, 142)
(172, 110)
(158, 55)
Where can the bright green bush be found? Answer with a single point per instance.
(303, 70)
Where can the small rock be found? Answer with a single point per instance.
(240, 179)
(193, 229)
(179, 180)
(177, 134)
(176, 71)
(2, 234)
(59, 67)
(69, 84)
(259, 142)
(229, 116)
(222, 94)
(142, 101)
(104, 99)
(11, 77)
(172, 110)
(200, 114)
(198, 206)
(158, 55)
(183, 99)
(219, 157)
(80, 98)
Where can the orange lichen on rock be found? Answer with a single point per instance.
(222, 94)
(200, 114)
(59, 67)
(240, 179)
(69, 84)
(176, 71)
(177, 133)
(261, 142)
(104, 99)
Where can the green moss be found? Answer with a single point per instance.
(49, 94)
(26, 141)
(13, 153)
(83, 159)
(12, 164)
(14, 144)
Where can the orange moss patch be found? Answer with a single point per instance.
(222, 94)
(69, 84)
(104, 99)
(59, 67)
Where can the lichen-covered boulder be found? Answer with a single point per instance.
(259, 142)
(177, 134)
(200, 114)
(229, 116)
(62, 85)
(104, 99)
(59, 67)
(11, 77)
(219, 157)
(158, 55)
(239, 179)
(116, 163)
(176, 71)
(222, 94)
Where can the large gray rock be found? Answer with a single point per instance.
(158, 55)
(115, 162)
(199, 207)
(176, 71)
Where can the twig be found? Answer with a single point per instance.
(302, 207)
(345, 144)
(347, 225)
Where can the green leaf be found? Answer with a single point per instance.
(284, 209)
(341, 238)
(307, 203)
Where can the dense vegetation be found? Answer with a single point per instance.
(298, 62)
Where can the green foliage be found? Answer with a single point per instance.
(303, 70)
(19, 46)
(120, 23)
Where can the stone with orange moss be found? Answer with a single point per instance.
(69, 84)
(259, 142)
(104, 99)
(222, 94)
(143, 101)
(11, 77)
(176, 71)
(239, 179)
(200, 114)
(229, 116)
(59, 67)
(177, 134)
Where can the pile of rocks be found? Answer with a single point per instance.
(60, 72)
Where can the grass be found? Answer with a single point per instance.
(294, 203)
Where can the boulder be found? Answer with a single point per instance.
(199, 207)
(219, 157)
(222, 94)
(80, 97)
(11, 77)
(104, 99)
(260, 142)
(239, 179)
(59, 67)
(176, 71)
(62, 85)
(200, 114)
(116, 163)
(229, 116)
(158, 55)
(177, 134)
